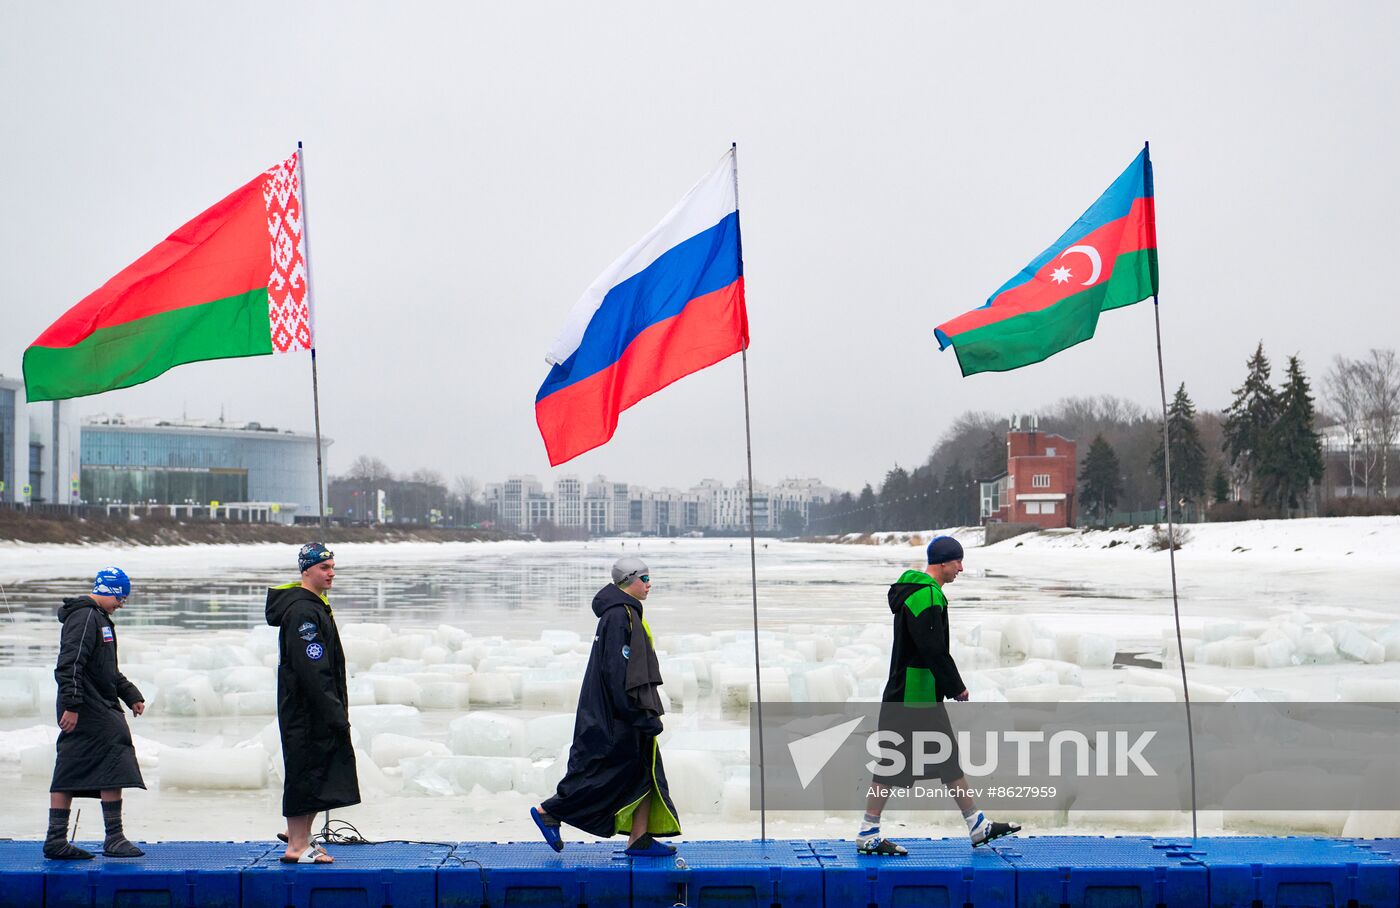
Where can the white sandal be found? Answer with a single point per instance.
(312, 855)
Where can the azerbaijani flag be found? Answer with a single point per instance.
(671, 305)
(1108, 259)
(231, 282)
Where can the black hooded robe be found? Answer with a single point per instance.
(313, 712)
(98, 753)
(613, 763)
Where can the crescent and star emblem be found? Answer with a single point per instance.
(1062, 274)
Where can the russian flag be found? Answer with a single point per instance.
(669, 306)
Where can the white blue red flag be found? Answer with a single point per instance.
(669, 306)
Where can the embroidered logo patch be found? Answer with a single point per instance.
(107, 636)
(314, 652)
(626, 651)
(307, 631)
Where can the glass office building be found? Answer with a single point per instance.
(14, 439)
(181, 462)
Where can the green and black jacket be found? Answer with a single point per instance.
(921, 666)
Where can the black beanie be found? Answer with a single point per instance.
(943, 549)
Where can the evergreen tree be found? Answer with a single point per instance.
(991, 457)
(865, 516)
(1249, 420)
(1188, 454)
(1221, 490)
(894, 504)
(953, 497)
(1099, 479)
(1294, 460)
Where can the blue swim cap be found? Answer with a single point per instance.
(112, 581)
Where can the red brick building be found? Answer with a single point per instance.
(1039, 483)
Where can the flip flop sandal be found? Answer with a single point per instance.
(281, 837)
(550, 831)
(311, 855)
(997, 831)
(650, 848)
(882, 846)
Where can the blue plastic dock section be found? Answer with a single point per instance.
(171, 875)
(22, 874)
(1094, 872)
(584, 875)
(391, 875)
(1279, 873)
(775, 874)
(1025, 872)
(937, 873)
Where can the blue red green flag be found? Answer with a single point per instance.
(1106, 260)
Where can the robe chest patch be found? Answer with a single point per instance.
(107, 636)
(307, 631)
(626, 651)
(315, 652)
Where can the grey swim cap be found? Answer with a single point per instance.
(627, 568)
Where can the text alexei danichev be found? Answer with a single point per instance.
(938, 790)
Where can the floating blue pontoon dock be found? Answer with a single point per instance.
(1018, 872)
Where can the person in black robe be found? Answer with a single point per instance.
(615, 781)
(313, 704)
(95, 756)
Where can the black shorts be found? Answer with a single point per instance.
(907, 721)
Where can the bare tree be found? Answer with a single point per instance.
(371, 469)
(428, 478)
(1381, 388)
(466, 487)
(1343, 390)
(464, 492)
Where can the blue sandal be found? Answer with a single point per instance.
(648, 847)
(548, 830)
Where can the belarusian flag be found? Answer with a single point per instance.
(1106, 260)
(231, 282)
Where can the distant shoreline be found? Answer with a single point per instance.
(165, 532)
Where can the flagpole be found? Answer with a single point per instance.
(311, 325)
(753, 546)
(1171, 526)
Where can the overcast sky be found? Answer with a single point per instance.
(472, 167)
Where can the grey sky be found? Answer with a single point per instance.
(472, 167)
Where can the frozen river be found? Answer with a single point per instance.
(466, 659)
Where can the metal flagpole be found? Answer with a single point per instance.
(753, 547)
(311, 324)
(1171, 526)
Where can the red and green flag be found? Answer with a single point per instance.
(232, 282)
(1107, 260)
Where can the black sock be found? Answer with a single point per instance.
(58, 827)
(116, 843)
(56, 844)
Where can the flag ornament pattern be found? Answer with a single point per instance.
(232, 282)
(1106, 260)
(669, 306)
(288, 306)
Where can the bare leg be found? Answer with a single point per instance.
(641, 821)
(875, 801)
(60, 800)
(965, 802)
(299, 834)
